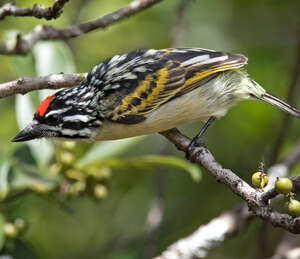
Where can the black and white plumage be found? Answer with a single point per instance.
(147, 91)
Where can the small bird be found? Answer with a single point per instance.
(148, 91)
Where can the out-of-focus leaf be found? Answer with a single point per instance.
(150, 161)
(41, 150)
(106, 149)
(4, 185)
(23, 65)
(52, 57)
(2, 236)
(23, 179)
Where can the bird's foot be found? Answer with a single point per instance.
(195, 143)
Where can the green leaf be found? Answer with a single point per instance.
(101, 150)
(29, 178)
(2, 235)
(41, 150)
(53, 57)
(4, 185)
(151, 161)
(59, 59)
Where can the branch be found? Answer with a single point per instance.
(26, 84)
(288, 248)
(36, 10)
(207, 237)
(256, 200)
(23, 44)
(179, 28)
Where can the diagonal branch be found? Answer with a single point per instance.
(256, 200)
(23, 44)
(36, 10)
(207, 237)
(26, 84)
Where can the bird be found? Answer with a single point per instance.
(148, 91)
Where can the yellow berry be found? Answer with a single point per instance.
(55, 169)
(293, 207)
(70, 145)
(259, 180)
(283, 185)
(100, 191)
(11, 230)
(67, 158)
(20, 223)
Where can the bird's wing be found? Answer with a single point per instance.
(139, 82)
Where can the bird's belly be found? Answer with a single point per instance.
(184, 109)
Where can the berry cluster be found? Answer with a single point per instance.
(283, 186)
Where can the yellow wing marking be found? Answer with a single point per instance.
(162, 75)
(159, 87)
(200, 75)
(142, 87)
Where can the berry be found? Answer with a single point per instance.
(11, 230)
(20, 223)
(283, 185)
(100, 191)
(259, 180)
(293, 207)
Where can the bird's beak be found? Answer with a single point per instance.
(32, 131)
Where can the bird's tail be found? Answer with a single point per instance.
(275, 101)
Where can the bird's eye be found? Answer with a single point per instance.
(53, 119)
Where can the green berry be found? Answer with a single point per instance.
(259, 180)
(67, 158)
(11, 230)
(69, 145)
(100, 191)
(283, 185)
(20, 223)
(293, 207)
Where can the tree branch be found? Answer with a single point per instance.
(256, 200)
(26, 84)
(207, 237)
(179, 28)
(23, 44)
(36, 10)
(288, 248)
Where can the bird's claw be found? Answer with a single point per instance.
(195, 143)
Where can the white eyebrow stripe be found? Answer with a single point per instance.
(216, 59)
(83, 118)
(195, 60)
(58, 111)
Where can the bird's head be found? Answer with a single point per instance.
(67, 114)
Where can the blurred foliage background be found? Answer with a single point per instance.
(96, 200)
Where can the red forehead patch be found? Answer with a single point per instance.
(42, 108)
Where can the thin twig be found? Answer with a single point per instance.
(157, 209)
(26, 84)
(286, 122)
(179, 28)
(23, 44)
(36, 10)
